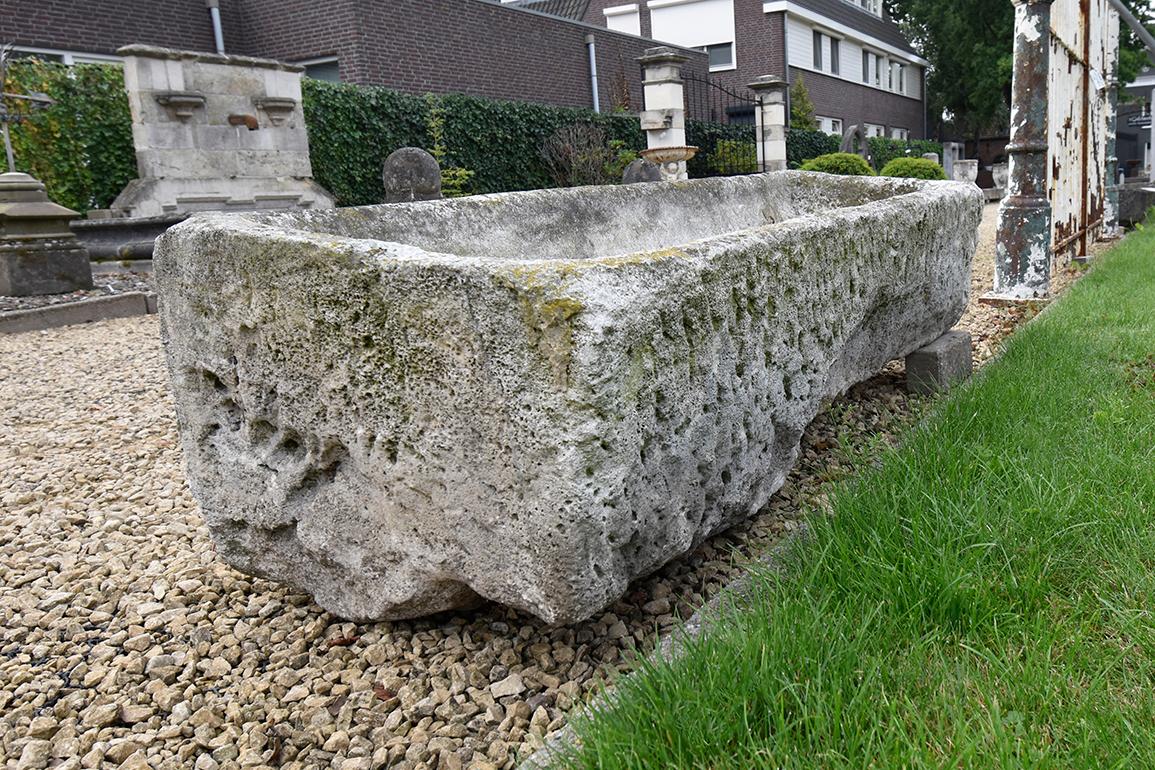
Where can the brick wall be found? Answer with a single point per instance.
(102, 26)
(485, 49)
(440, 46)
(760, 49)
(837, 98)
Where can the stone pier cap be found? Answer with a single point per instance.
(533, 398)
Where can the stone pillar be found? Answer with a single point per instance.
(770, 122)
(39, 253)
(664, 114)
(1023, 247)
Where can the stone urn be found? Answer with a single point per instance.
(966, 171)
(1000, 173)
(671, 160)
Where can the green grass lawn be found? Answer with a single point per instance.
(982, 599)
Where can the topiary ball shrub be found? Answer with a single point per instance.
(844, 163)
(913, 168)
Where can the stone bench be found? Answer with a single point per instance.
(535, 397)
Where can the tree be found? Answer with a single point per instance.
(970, 47)
(801, 108)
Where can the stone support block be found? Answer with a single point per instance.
(941, 364)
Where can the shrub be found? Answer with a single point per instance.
(582, 154)
(802, 146)
(706, 136)
(883, 150)
(843, 163)
(913, 168)
(733, 156)
(801, 108)
(80, 147)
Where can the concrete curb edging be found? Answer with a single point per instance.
(671, 647)
(85, 311)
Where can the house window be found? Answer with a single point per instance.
(721, 56)
(826, 53)
(866, 66)
(322, 69)
(900, 133)
(901, 79)
(702, 24)
(873, 6)
(830, 125)
(873, 130)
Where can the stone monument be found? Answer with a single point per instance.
(39, 254)
(411, 174)
(215, 132)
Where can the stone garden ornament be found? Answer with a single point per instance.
(533, 398)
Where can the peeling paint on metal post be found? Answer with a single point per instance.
(1111, 211)
(1023, 250)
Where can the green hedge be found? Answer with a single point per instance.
(913, 168)
(883, 151)
(843, 163)
(81, 147)
(802, 146)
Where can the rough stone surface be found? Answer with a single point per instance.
(941, 364)
(1135, 200)
(535, 397)
(641, 170)
(411, 174)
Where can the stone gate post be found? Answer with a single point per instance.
(770, 122)
(664, 115)
(1023, 247)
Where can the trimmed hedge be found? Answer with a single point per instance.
(843, 163)
(80, 147)
(913, 168)
(802, 146)
(883, 150)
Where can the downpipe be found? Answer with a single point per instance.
(591, 47)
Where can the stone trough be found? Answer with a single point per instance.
(533, 398)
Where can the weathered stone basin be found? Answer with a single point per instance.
(534, 397)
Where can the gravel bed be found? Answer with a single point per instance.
(125, 643)
(102, 286)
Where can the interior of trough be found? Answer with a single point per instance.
(584, 223)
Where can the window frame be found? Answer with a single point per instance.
(733, 65)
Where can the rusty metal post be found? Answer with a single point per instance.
(1023, 248)
(1111, 210)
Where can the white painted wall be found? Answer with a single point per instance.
(800, 54)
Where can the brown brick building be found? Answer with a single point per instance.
(857, 65)
(466, 46)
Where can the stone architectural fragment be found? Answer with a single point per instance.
(534, 397)
(39, 254)
(215, 132)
